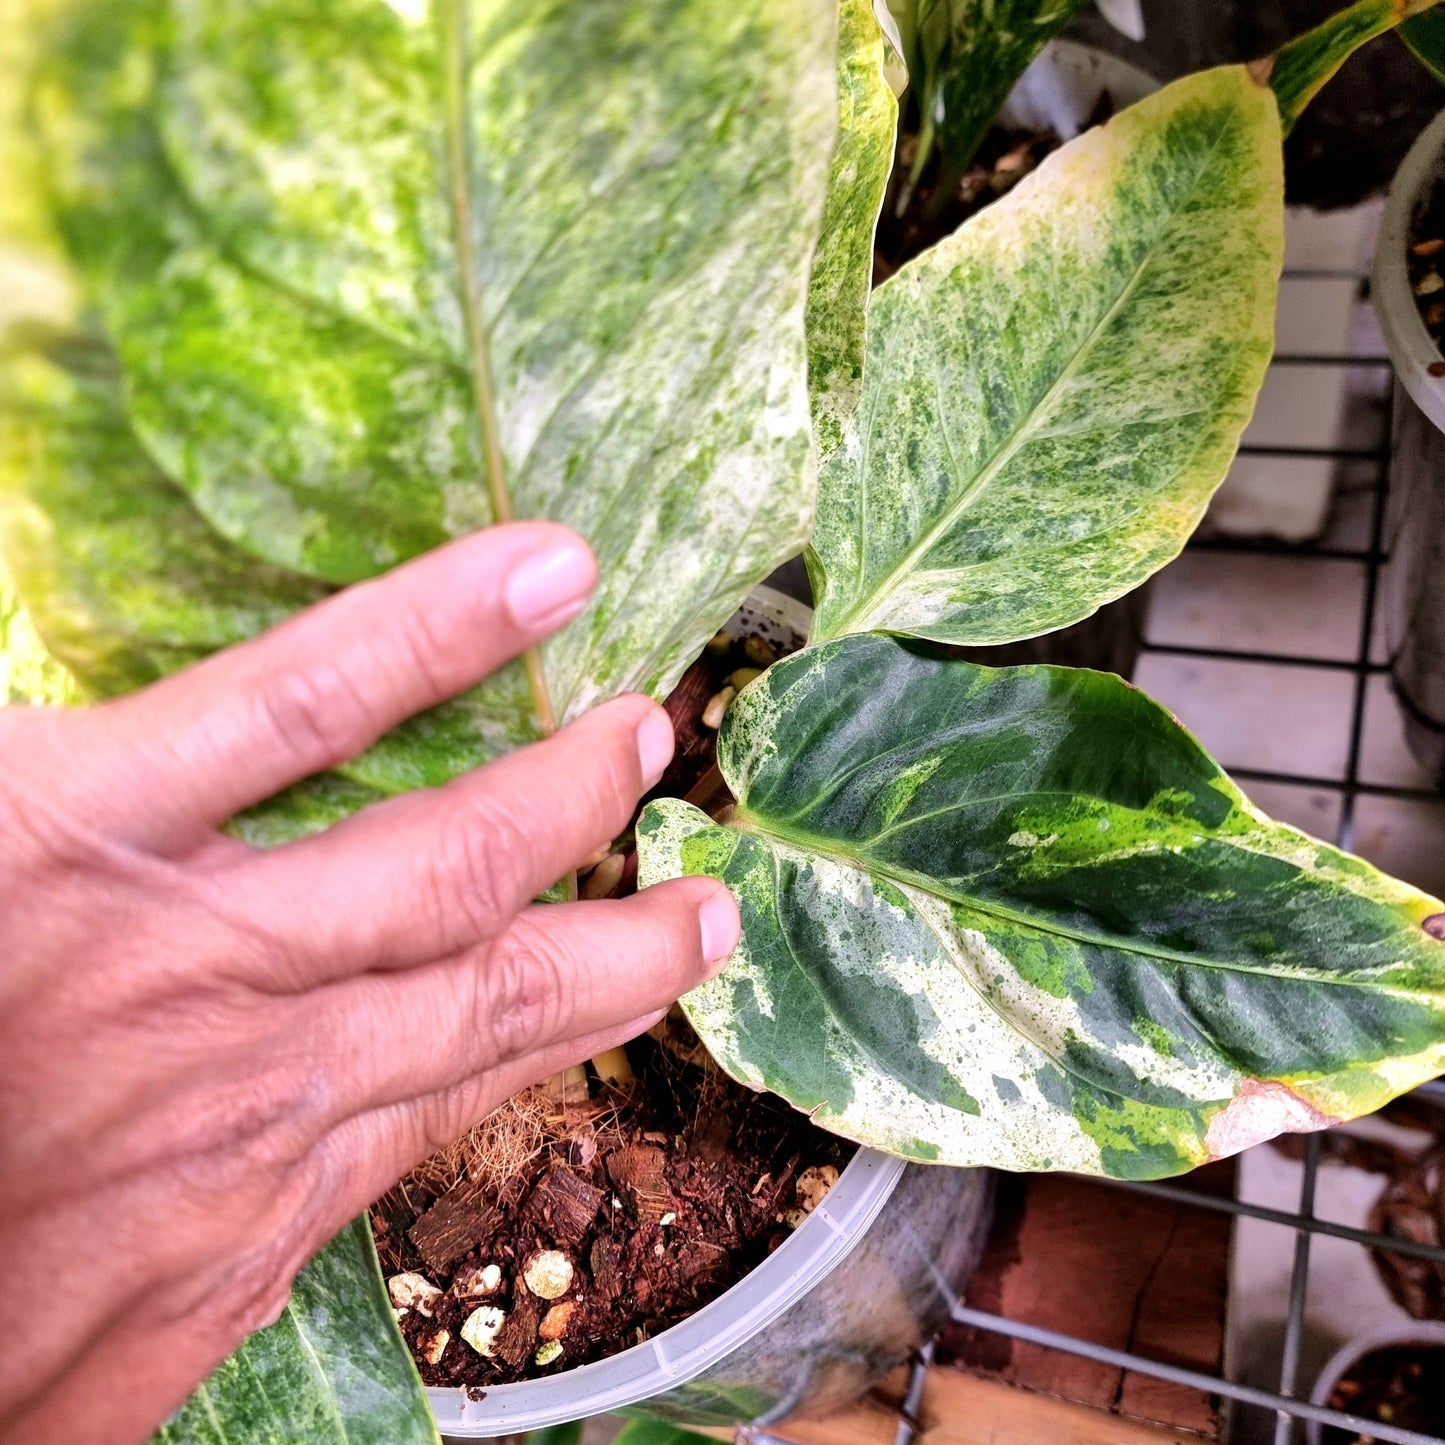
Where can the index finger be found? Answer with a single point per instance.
(319, 689)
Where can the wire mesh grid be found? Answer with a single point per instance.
(1289, 1409)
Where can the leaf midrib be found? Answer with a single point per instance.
(1023, 432)
(454, 64)
(330, 1399)
(1059, 1059)
(829, 848)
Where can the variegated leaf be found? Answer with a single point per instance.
(375, 271)
(1052, 394)
(128, 580)
(333, 1370)
(842, 275)
(1018, 917)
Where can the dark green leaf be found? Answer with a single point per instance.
(1425, 35)
(1018, 917)
(964, 56)
(332, 1371)
(558, 1435)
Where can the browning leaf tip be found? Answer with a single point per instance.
(1260, 71)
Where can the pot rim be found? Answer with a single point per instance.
(685, 1350)
(1412, 351)
(1406, 1333)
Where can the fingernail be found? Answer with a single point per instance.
(551, 587)
(720, 924)
(654, 746)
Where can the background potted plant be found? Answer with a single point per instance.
(1408, 274)
(1117, 965)
(1389, 1374)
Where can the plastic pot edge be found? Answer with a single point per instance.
(1412, 352)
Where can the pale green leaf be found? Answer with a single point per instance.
(842, 275)
(332, 1371)
(1052, 394)
(264, 204)
(28, 673)
(1017, 917)
(1303, 67)
(125, 577)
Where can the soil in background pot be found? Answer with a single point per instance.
(911, 222)
(1397, 1386)
(1004, 158)
(1426, 268)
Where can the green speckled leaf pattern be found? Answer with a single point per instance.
(842, 274)
(1304, 66)
(1052, 394)
(127, 580)
(1017, 917)
(332, 1371)
(640, 184)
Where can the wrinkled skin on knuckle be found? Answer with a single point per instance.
(423, 649)
(254, 946)
(479, 866)
(611, 785)
(253, 1127)
(445, 1116)
(314, 714)
(520, 994)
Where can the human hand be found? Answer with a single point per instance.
(211, 1057)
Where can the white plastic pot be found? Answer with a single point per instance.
(1062, 89)
(1410, 1336)
(1415, 595)
(869, 1276)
